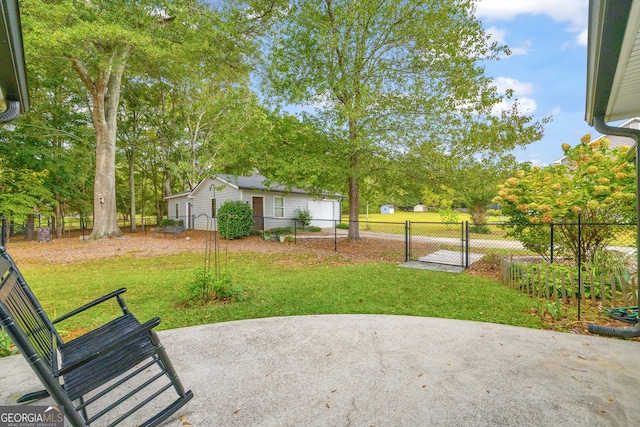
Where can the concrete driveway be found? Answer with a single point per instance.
(378, 370)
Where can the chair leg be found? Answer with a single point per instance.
(33, 396)
(84, 408)
(166, 363)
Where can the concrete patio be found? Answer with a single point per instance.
(375, 370)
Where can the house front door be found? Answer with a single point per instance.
(257, 204)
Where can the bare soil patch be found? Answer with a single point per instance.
(73, 249)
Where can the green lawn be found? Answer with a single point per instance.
(394, 224)
(413, 217)
(424, 224)
(274, 285)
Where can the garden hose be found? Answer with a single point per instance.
(614, 332)
(12, 111)
(626, 314)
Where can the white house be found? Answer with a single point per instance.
(273, 205)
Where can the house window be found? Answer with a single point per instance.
(213, 208)
(177, 210)
(278, 207)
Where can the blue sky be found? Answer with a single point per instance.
(547, 67)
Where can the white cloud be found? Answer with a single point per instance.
(496, 34)
(575, 12)
(519, 88)
(526, 104)
(499, 35)
(581, 39)
(537, 162)
(522, 49)
(556, 111)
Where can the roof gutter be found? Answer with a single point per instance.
(13, 75)
(602, 127)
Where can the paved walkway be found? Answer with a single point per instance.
(374, 370)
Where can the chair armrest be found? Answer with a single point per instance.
(119, 343)
(89, 305)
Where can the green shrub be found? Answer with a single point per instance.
(480, 229)
(204, 288)
(314, 228)
(303, 216)
(6, 345)
(235, 219)
(282, 230)
(342, 226)
(449, 215)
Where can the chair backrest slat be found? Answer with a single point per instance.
(23, 318)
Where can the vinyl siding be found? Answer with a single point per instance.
(201, 201)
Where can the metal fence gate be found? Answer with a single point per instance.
(438, 243)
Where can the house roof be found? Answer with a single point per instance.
(13, 76)
(613, 60)
(253, 182)
(256, 182)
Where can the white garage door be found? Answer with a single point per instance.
(322, 213)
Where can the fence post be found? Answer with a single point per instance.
(579, 265)
(3, 229)
(407, 234)
(551, 226)
(335, 235)
(466, 240)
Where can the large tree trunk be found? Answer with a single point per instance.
(105, 220)
(29, 233)
(57, 220)
(354, 189)
(132, 191)
(479, 216)
(354, 206)
(105, 96)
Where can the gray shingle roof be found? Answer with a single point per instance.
(257, 182)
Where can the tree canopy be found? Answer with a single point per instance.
(377, 100)
(382, 78)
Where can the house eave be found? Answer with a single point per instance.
(13, 75)
(613, 60)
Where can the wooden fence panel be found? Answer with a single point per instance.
(532, 280)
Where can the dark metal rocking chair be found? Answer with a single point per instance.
(93, 366)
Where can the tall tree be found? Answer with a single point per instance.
(481, 159)
(380, 75)
(51, 138)
(99, 39)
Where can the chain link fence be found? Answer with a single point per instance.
(69, 226)
(564, 260)
(572, 261)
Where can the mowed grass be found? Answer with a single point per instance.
(274, 285)
(401, 216)
(624, 235)
(425, 224)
